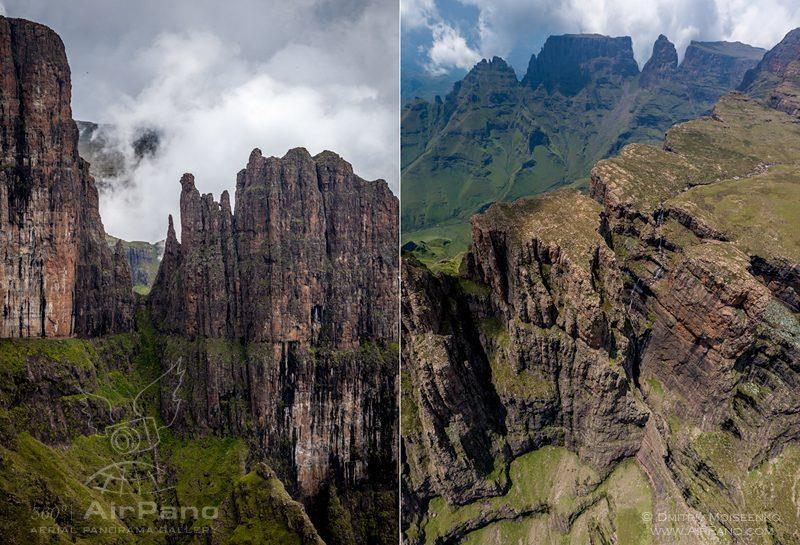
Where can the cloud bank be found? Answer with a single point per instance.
(506, 26)
(216, 83)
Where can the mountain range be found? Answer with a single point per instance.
(496, 138)
(620, 366)
(250, 397)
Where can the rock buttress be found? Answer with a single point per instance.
(58, 278)
(285, 311)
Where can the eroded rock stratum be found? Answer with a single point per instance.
(623, 366)
(257, 378)
(58, 277)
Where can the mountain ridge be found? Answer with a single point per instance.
(630, 355)
(493, 139)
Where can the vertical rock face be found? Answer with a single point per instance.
(776, 79)
(310, 224)
(57, 277)
(713, 68)
(541, 355)
(299, 288)
(662, 63)
(309, 256)
(567, 63)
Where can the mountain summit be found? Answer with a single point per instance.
(583, 98)
(776, 79)
(58, 277)
(568, 63)
(662, 65)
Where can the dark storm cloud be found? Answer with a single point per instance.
(220, 78)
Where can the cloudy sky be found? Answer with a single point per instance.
(221, 78)
(449, 36)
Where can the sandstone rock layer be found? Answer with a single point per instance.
(58, 278)
(286, 312)
(655, 318)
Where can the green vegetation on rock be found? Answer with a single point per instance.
(553, 497)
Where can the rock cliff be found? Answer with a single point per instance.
(714, 68)
(567, 63)
(285, 313)
(143, 260)
(776, 79)
(494, 138)
(263, 365)
(58, 277)
(646, 334)
(662, 65)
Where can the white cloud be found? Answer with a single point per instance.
(417, 13)
(449, 50)
(214, 107)
(503, 24)
(321, 74)
(2, 9)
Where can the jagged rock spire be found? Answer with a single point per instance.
(662, 65)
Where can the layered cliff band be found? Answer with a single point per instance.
(400, 272)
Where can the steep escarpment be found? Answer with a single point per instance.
(567, 63)
(717, 67)
(776, 78)
(58, 277)
(543, 341)
(639, 342)
(662, 65)
(494, 138)
(254, 399)
(285, 314)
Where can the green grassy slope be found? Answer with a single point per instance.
(57, 398)
(495, 139)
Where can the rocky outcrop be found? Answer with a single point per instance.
(684, 253)
(713, 68)
(567, 63)
(58, 277)
(530, 348)
(658, 322)
(289, 305)
(662, 65)
(776, 78)
(259, 506)
(308, 257)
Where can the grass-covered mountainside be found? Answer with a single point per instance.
(57, 401)
(495, 138)
(621, 367)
